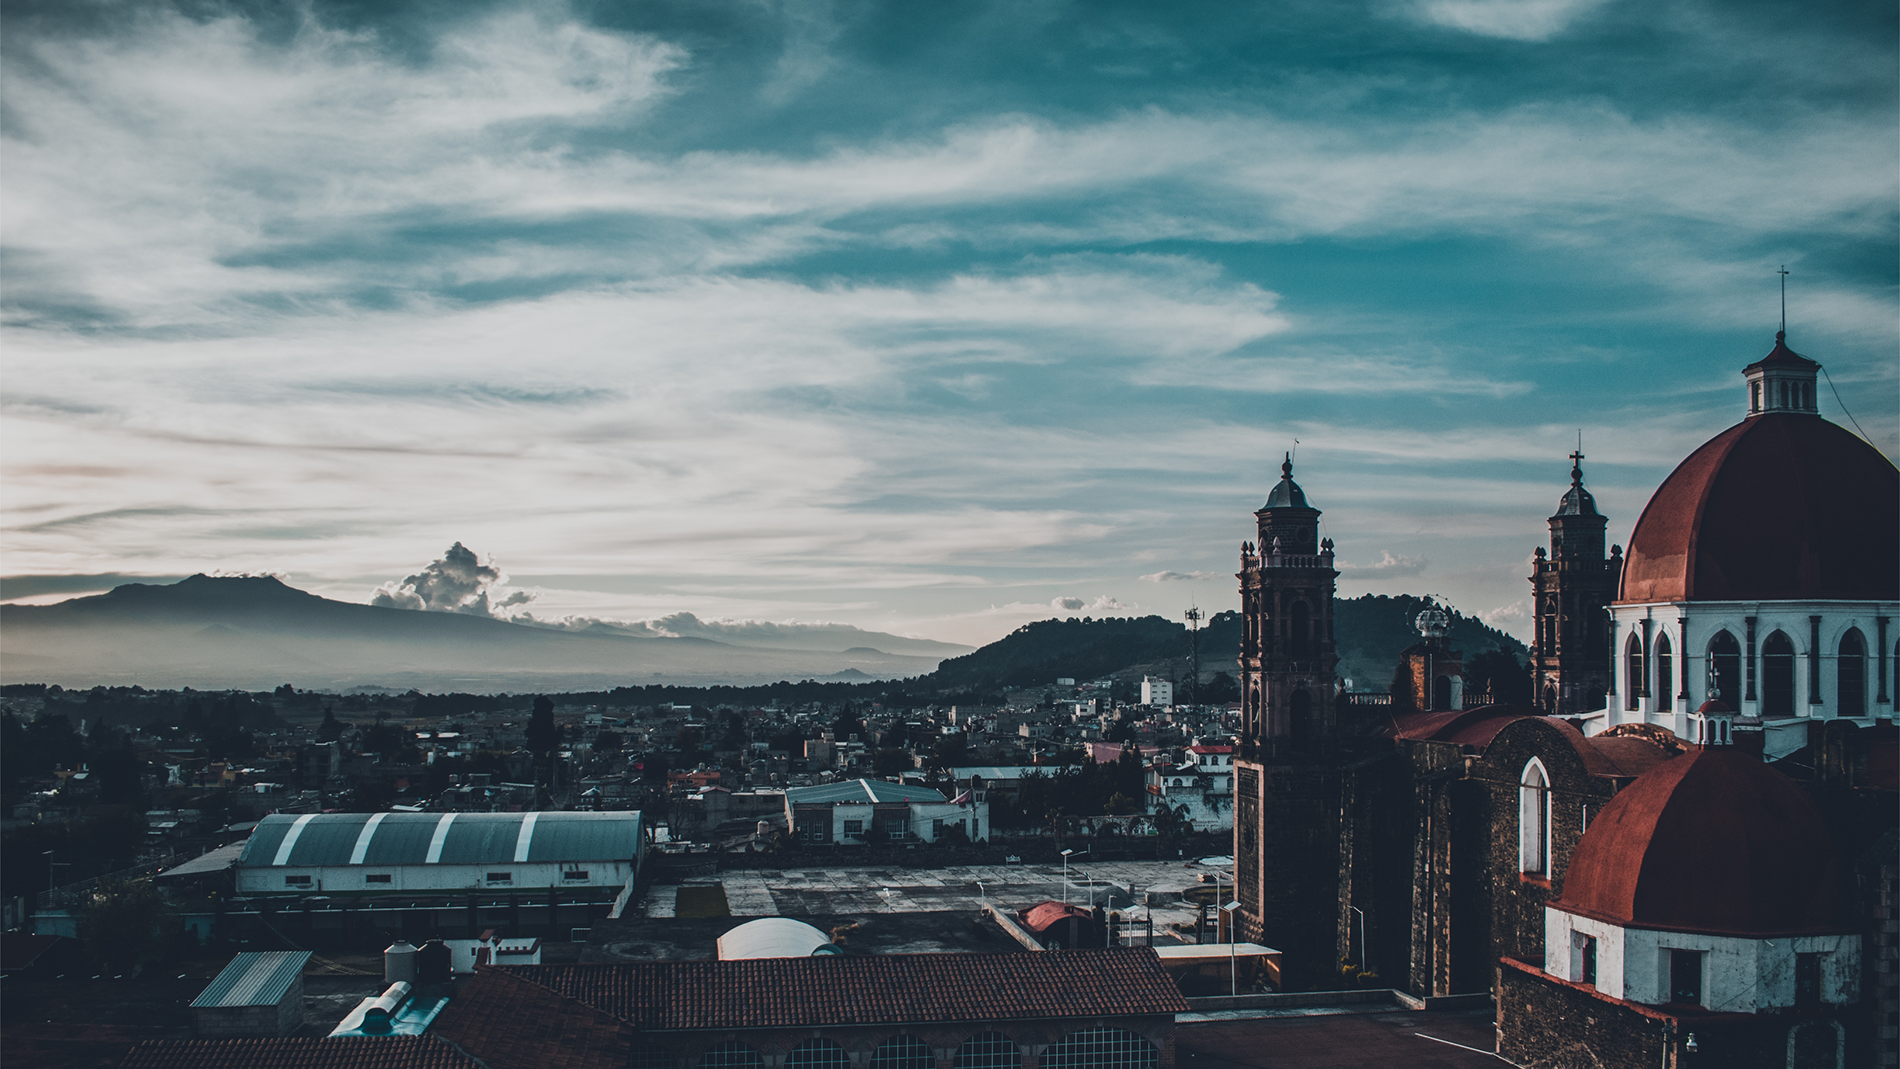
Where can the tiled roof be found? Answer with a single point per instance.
(884, 989)
(510, 1023)
(363, 1052)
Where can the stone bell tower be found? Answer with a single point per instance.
(1571, 587)
(1286, 783)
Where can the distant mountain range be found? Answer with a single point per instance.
(255, 633)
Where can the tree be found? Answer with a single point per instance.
(890, 762)
(543, 735)
(606, 742)
(1499, 672)
(331, 729)
(123, 925)
(951, 751)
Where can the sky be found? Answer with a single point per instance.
(933, 319)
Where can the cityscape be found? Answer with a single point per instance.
(1056, 536)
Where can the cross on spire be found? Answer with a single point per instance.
(1576, 460)
(1783, 272)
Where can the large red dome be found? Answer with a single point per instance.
(1712, 841)
(1783, 506)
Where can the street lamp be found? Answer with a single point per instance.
(1065, 875)
(1362, 937)
(1233, 963)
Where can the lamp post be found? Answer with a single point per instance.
(1362, 937)
(1233, 962)
(1065, 875)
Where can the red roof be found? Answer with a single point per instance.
(834, 991)
(1039, 918)
(1781, 506)
(343, 1052)
(1712, 841)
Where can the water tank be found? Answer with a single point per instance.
(432, 963)
(399, 964)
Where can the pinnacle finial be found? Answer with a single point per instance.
(1286, 467)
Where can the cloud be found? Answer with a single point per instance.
(1505, 615)
(1102, 603)
(1388, 564)
(1521, 20)
(1177, 577)
(457, 582)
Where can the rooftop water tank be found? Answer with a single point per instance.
(399, 964)
(432, 963)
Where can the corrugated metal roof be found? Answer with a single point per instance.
(466, 838)
(211, 861)
(254, 979)
(861, 790)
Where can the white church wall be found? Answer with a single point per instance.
(1739, 975)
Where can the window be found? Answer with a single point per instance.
(1850, 695)
(1101, 1048)
(1533, 821)
(1665, 664)
(1633, 678)
(501, 877)
(854, 827)
(1807, 979)
(1725, 669)
(1583, 958)
(1777, 676)
(296, 881)
(376, 877)
(818, 1054)
(903, 1051)
(936, 829)
(574, 874)
(1299, 631)
(1301, 718)
(1685, 977)
(989, 1050)
(730, 1055)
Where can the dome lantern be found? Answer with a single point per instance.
(1782, 381)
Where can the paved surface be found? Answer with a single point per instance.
(835, 891)
(1385, 1040)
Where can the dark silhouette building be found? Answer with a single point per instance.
(1570, 589)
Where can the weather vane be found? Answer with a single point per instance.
(1783, 272)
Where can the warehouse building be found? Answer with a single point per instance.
(594, 855)
(258, 995)
(864, 811)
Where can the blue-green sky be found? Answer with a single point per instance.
(929, 318)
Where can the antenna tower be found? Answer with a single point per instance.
(1194, 617)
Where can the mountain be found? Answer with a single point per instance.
(1370, 632)
(255, 633)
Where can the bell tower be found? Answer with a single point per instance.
(1286, 778)
(1571, 586)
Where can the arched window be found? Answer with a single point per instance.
(1441, 692)
(1633, 678)
(818, 1054)
(1851, 675)
(649, 1057)
(989, 1050)
(1101, 1048)
(1777, 676)
(731, 1054)
(1533, 820)
(903, 1051)
(1299, 631)
(1725, 668)
(1665, 664)
(1300, 717)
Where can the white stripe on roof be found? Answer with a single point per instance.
(525, 836)
(290, 839)
(441, 836)
(362, 839)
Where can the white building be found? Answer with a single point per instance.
(396, 853)
(1767, 566)
(1156, 691)
(865, 811)
(1202, 785)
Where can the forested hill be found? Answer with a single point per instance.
(1371, 631)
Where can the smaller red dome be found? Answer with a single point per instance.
(1712, 841)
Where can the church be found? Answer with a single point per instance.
(1683, 852)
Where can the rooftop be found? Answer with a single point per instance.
(254, 978)
(445, 838)
(861, 791)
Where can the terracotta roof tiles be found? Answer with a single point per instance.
(344, 1052)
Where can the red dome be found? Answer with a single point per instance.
(1782, 506)
(1712, 841)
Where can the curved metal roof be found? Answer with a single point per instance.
(441, 838)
